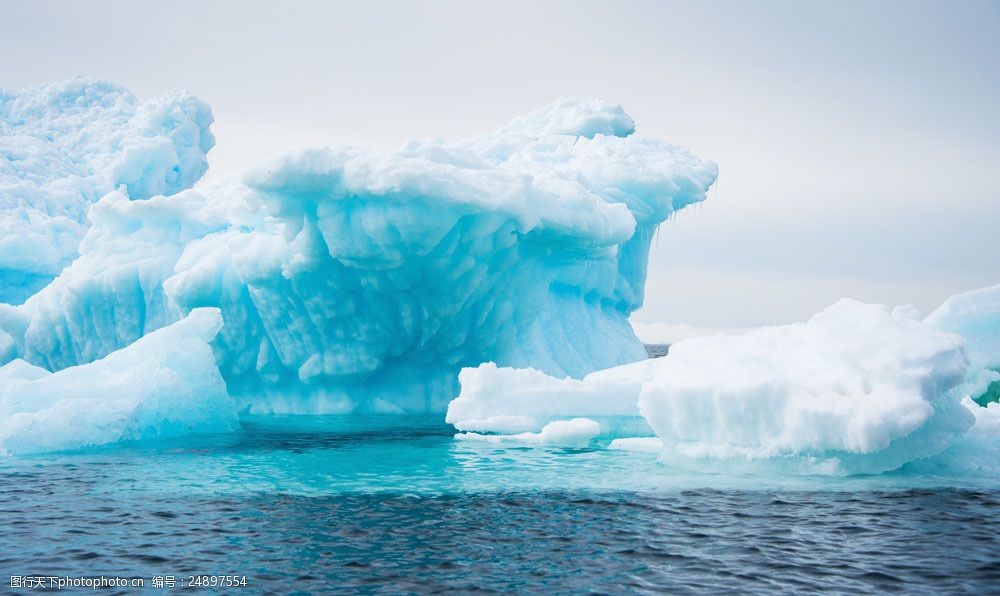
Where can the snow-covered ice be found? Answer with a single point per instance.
(353, 280)
(858, 388)
(64, 145)
(165, 384)
(508, 400)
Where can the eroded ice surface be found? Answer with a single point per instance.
(856, 389)
(63, 146)
(352, 280)
(165, 384)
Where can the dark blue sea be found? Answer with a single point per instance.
(396, 505)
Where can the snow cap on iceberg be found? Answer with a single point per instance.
(576, 432)
(566, 170)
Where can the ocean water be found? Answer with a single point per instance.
(393, 504)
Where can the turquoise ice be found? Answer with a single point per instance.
(499, 270)
(166, 384)
(351, 280)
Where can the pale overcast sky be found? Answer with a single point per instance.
(857, 141)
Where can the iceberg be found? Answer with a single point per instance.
(975, 316)
(351, 280)
(164, 385)
(65, 145)
(491, 277)
(857, 389)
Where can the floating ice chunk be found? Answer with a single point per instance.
(576, 432)
(857, 389)
(975, 316)
(492, 396)
(165, 384)
(63, 146)
(352, 280)
(637, 444)
(499, 424)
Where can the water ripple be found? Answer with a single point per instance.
(321, 510)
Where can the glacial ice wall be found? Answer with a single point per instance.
(352, 280)
(856, 389)
(63, 146)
